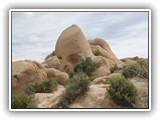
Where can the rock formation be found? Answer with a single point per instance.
(71, 47)
(58, 75)
(25, 72)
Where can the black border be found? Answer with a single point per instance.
(65, 109)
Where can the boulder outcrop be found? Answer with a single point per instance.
(72, 46)
(52, 62)
(103, 47)
(70, 49)
(56, 74)
(25, 72)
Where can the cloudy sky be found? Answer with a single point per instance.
(34, 34)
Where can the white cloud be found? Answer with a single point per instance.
(35, 33)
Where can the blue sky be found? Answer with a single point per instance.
(34, 34)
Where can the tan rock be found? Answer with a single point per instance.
(142, 87)
(103, 66)
(103, 79)
(128, 61)
(101, 71)
(50, 55)
(52, 62)
(25, 72)
(103, 47)
(49, 100)
(95, 97)
(72, 46)
(58, 75)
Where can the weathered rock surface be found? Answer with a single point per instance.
(128, 61)
(48, 100)
(104, 79)
(25, 72)
(95, 97)
(58, 75)
(102, 46)
(142, 87)
(71, 46)
(103, 66)
(52, 62)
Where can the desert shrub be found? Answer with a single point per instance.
(130, 71)
(22, 101)
(86, 66)
(112, 69)
(71, 73)
(144, 68)
(45, 86)
(97, 53)
(75, 87)
(122, 91)
(139, 69)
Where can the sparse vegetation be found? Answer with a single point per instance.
(144, 66)
(45, 86)
(122, 91)
(97, 53)
(112, 69)
(22, 101)
(139, 69)
(86, 66)
(75, 87)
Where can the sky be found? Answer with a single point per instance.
(34, 34)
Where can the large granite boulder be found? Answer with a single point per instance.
(25, 72)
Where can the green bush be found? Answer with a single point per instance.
(97, 53)
(122, 91)
(86, 66)
(45, 86)
(144, 68)
(112, 69)
(75, 87)
(22, 101)
(139, 69)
